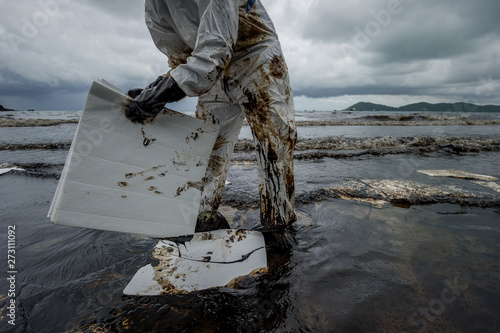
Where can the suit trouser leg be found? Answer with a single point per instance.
(270, 115)
(275, 136)
(217, 108)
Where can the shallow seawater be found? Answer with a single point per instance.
(41, 134)
(350, 267)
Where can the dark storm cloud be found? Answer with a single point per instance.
(52, 50)
(362, 90)
(405, 29)
(439, 29)
(445, 48)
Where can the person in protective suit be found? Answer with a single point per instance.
(227, 53)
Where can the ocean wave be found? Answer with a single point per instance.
(380, 192)
(375, 120)
(7, 122)
(376, 192)
(401, 192)
(339, 147)
(339, 143)
(37, 170)
(386, 142)
(43, 146)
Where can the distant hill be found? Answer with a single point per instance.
(4, 109)
(423, 106)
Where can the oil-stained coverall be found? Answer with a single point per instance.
(227, 53)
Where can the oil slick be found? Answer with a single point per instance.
(210, 259)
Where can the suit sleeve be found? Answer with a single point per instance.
(163, 35)
(216, 38)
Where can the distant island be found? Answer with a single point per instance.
(4, 109)
(423, 106)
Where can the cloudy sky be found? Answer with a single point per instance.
(392, 52)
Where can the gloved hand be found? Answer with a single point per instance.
(152, 99)
(137, 91)
(134, 92)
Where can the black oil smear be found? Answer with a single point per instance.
(147, 141)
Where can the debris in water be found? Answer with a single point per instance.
(208, 260)
(491, 185)
(378, 192)
(4, 168)
(457, 174)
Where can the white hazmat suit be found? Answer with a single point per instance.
(227, 53)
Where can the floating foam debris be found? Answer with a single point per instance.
(373, 202)
(457, 174)
(4, 168)
(455, 143)
(491, 185)
(210, 259)
(378, 192)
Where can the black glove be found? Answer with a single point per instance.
(137, 91)
(153, 98)
(134, 92)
